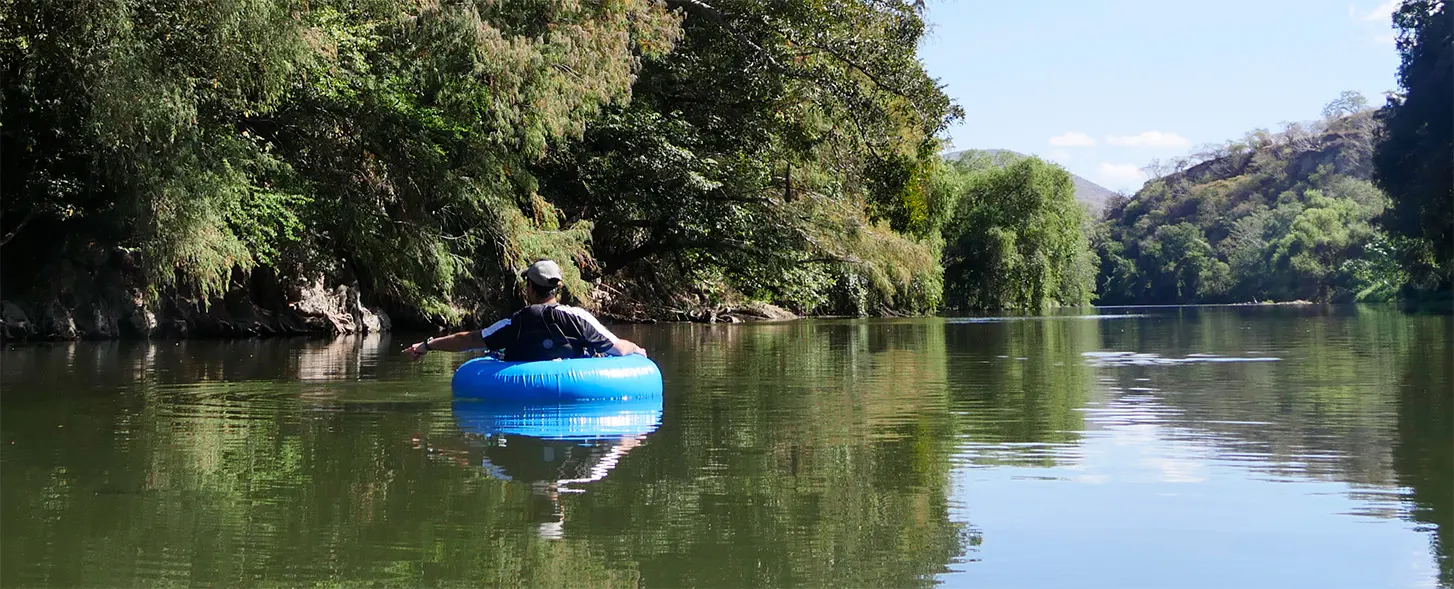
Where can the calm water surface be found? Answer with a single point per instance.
(1203, 447)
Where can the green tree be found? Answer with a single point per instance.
(1017, 239)
(784, 151)
(1183, 265)
(384, 142)
(1311, 254)
(1413, 162)
(1350, 102)
(421, 151)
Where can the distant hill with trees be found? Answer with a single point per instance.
(1357, 206)
(1281, 216)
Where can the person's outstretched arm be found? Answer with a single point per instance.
(457, 342)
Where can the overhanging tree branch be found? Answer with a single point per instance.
(23, 222)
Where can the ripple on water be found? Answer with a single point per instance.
(955, 320)
(1116, 358)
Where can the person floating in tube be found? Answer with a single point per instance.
(543, 330)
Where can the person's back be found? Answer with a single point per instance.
(547, 331)
(543, 330)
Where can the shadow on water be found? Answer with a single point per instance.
(1424, 451)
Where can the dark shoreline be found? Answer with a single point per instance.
(295, 324)
(319, 313)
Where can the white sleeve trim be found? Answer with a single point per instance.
(497, 326)
(591, 319)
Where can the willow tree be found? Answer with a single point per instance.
(1017, 238)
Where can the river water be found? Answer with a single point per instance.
(1159, 447)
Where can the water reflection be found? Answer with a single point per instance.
(587, 420)
(1331, 425)
(551, 448)
(1423, 450)
(814, 453)
(126, 365)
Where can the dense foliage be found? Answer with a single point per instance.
(677, 153)
(1415, 163)
(784, 152)
(379, 141)
(1017, 238)
(1279, 216)
(424, 150)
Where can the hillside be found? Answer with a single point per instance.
(1093, 195)
(1274, 216)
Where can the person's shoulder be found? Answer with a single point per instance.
(585, 317)
(586, 323)
(496, 327)
(577, 311)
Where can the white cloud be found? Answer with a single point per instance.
(1072, 139)
(1149, 139)
(1383, 12)
(1121, 174)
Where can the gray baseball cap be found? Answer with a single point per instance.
(544, 273)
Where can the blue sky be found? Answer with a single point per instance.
(1118, 83)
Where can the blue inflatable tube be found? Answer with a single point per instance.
(578, 379)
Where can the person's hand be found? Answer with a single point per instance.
(633, 347)
(417, 350)
(625, 348)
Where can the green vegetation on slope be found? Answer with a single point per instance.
(1303, 214)
(1271, 217)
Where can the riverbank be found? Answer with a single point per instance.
(117, 312)
(261, 305)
